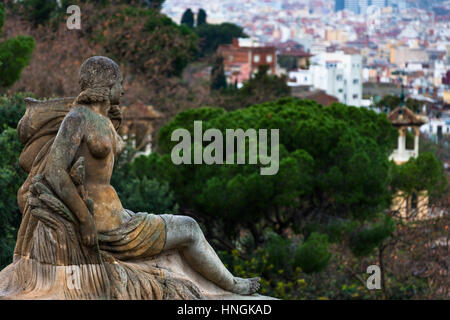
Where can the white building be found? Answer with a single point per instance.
(352, 5)
(379, 3)
(300, 78)
(436, 127)
(339, 75)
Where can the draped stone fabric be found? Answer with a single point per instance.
(143, 236)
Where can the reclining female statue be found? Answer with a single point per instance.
(73, 218)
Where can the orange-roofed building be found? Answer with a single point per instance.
(242, 58)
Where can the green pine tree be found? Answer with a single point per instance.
(188, 18)
(201, 17)
(15, 54)
(40, 11)
(218, 80)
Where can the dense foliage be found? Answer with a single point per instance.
(11, 175)
(147, 40)
(212, 35)
(390, 102)
(262, 87)
(333, 164)
(424, 173)
(15, 54)
(218, 79)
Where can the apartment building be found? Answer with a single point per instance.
(339, 75)
(243, 57)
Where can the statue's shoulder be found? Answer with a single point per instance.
(81, 111)
(78, 112)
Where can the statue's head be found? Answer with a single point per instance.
(100, 79)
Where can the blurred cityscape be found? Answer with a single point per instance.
(355, 51)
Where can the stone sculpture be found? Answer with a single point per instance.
(74, 229)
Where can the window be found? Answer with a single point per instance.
(339, 77)
(230, 58)
(355, 96)
(414, 201)
(269, 58)
(355, 81)
(256, 58)
(340, 90)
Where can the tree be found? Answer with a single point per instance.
(392, 101)
(264, 87)
(213, 35)
(15, 54)
(313, 254)
(332, 166)
(261, 88)
(40, 11)
(288, 62)
(11, 175)
(149, 4)
(201, 17)
(2, 16)
(188, 18)
(424, 173)
(11, 178)
(218, 80)
(147, 40)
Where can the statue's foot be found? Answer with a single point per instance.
(245, 286)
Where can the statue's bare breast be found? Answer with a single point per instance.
(98, 147)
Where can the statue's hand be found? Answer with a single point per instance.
(88, 233)
(115, 115)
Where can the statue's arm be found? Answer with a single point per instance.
(60, 158)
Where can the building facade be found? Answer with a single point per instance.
(243, 57)
(339, 75)
(339, 5)
(359, 6)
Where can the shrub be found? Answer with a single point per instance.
(364, 240)
(313, 255)
(11, 178)
(279, 251)
(15, 54)
(11, 110)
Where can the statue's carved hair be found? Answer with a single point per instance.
(97, 75)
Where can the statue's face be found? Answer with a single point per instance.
(116, 92)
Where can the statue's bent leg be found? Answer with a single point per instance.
(184, 234)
